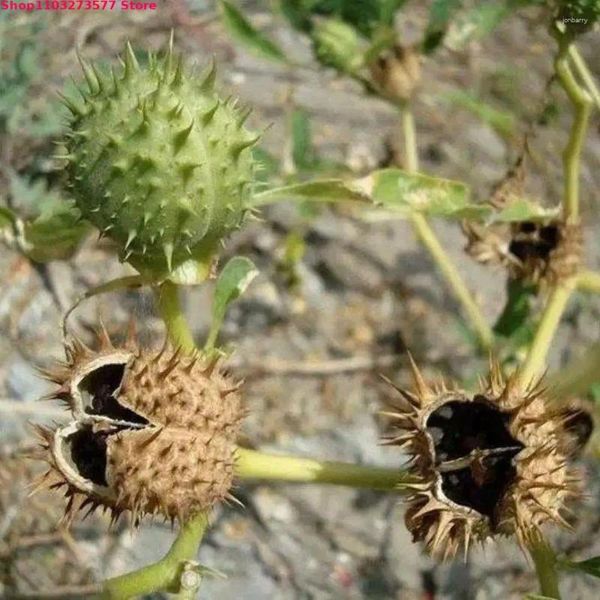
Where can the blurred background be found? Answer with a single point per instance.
(337, 300)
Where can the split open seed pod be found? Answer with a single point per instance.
(490, 463)
(153, 431)
(536, 252)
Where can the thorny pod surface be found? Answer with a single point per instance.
(153, 432)
(490, 463)
(158, 162)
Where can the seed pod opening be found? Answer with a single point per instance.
(490, 463)
(540, 253)
(153, 431)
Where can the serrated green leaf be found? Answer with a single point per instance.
(233, 280)
(245, 33)
(591, 566)
(326, 190)
(404, 192)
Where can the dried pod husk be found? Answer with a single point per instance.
(542, 253)
(397, 72)
(153, 432)
(158, 162)
(490, 463)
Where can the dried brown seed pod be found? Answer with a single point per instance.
(540, 253)
(490, 463)
(153, 432)
(397, 72)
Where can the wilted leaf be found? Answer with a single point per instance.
(404, 192)
(591, 566)
(327, 190)
(523, 210)
(233, 280)
(245, 33)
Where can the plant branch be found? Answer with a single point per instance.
(251, 464)
(166, 573)
(535, 362)
(581, 102)
(545, 562)
(585, 74)
(428, 238)
(169, 306)
(589, 281)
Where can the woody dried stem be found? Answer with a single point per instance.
(428, 238)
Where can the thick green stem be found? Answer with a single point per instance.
(582, 104)
(535, 362)
(251, 464)
(428, 238)
(545, 562)
(165, 574)
(170, 310)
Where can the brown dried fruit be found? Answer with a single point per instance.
(397, 72)
(540, 253)
(153, 432)
(492, 463)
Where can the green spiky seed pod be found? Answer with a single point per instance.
(158, 162)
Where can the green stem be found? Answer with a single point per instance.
(545, 562)
(589, 281)
(572, 153)
(251, 464)
(585, 74)
(535, 362)
(170, 310)
(428, 238)
(165, 574)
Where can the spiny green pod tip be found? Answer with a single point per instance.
(157, 161)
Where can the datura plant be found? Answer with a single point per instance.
(161, 165)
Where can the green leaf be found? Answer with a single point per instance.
(403, 192)
(246, 34)
(326, 190)
(55, 234)
(303, 151)
(523, 209)
(515, 323)
(233, 280)
(591, 566)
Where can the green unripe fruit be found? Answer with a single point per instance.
(158, 162)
